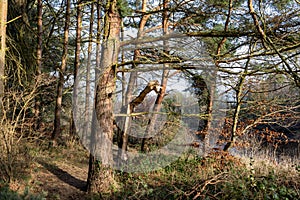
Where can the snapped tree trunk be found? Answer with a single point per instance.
(101, 177)
(123, 141)
(164, 81)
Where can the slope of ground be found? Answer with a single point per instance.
(61, 174)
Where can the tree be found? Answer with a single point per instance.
(39, 59)
(164, 80)
(267, 42)
(76, 64)
(238, 98)
(40, 34)
(88, 71)
(127, 96)
(58, 108)
(98, 40)
(101, 175)
(3, 16)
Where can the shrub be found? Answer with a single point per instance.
(6, 193)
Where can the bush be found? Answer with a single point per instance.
(217, 176)
(8, 194)
(261, 187)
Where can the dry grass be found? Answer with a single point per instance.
(61, 174)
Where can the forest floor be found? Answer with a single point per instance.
(60, 174)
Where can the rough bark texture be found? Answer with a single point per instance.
(101, 179)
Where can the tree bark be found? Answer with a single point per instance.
(39, 62)
(206, 146)
(239, 97)
(98, 41)
(88, 74)
(204, 99)
(76, 66)
(40, 36)
(3, 19)
(101, 177)
(164, 81)
(59, 93)
(130, 89)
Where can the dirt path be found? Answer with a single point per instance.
(59, 179)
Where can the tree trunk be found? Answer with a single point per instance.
(158, 104)
(76, 66)
(39, 63)
(164, 81)
(98, 40)
(40, 36)
(123, 141)
(204, 100)
(130, 89)
(209, 112)
(3, 19)
(88, 74)
(213, 85)
(239, 98)
(101, 177)
(58, 107)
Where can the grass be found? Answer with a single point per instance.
(218, 176)
(9, 194)
(56, 174)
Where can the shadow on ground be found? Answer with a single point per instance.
(64, 176)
